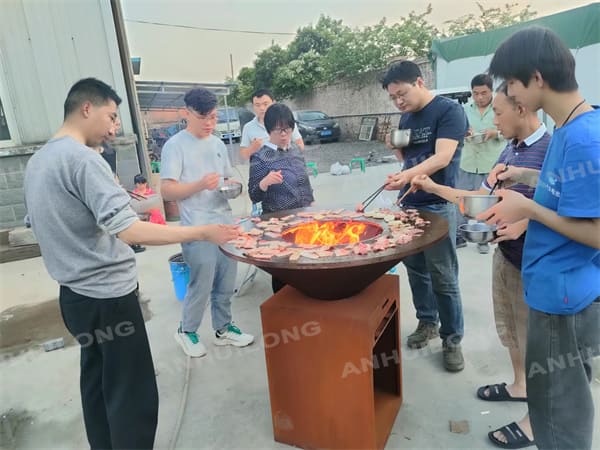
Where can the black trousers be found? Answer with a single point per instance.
(118, 385)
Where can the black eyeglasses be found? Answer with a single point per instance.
(287, 130)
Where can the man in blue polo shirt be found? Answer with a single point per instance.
(438, 126)
(561, 258)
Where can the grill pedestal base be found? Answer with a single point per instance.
(334, 368)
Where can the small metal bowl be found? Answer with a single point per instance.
(400, 138)
(478, 138)
(478, 233)
(472, 205)
(231, 190)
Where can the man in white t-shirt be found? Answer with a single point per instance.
(194, 163)
(254, 134)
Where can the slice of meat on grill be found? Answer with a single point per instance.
(310, 255)
(274, 228)
(261, 225)
(342, 252)
(361, 248)
(255, 232)
(308, 246)
(308, 215)
(273, 235)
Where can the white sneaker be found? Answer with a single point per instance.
(190, 343)
(233, 336)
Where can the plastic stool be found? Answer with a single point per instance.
(312, 166)
(361, 161)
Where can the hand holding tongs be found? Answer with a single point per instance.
(498, 183)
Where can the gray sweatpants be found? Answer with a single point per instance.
(212, 276)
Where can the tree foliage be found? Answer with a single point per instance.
(330, 51)
(489, 19)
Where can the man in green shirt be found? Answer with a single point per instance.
(482, 145)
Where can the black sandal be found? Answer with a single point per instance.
(515, 437)
(498, 393)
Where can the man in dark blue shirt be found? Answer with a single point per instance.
(438, 126)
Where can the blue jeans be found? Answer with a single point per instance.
(433, 278)
(212, 275)
(559, 372)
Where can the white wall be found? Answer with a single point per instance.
(48, 45)
(460, 71)
(587, 71)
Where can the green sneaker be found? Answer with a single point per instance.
(232, 335)
(190, 343)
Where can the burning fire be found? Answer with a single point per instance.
(331, 232)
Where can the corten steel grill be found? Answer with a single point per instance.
(314, 347)
(334, 278)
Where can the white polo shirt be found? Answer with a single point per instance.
(256, 130)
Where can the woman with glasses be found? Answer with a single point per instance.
(278, 176)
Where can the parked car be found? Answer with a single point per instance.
(245, 116)
(316, 126)
(228, 124)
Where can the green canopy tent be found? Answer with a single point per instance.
(456, 60)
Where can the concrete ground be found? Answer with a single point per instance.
(227, 395)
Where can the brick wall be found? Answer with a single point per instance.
(350, 100)
(12, 169)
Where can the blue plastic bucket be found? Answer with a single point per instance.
(180, 273)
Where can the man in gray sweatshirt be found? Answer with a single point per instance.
(84, 226)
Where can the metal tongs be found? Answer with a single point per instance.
(498, 183)
(367, 201)
(410, 190)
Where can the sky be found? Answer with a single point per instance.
(204, 56)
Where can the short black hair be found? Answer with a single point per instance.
(401, 72)
(503, 89)
(531, 49)
(90, 90)
(260, 92)
(139, 178)
(200, 100)
(483, 79)
(278, 114)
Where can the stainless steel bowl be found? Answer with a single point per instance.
(478, 138)
(231, 190)
(400, 138)
(471, 205)
(478, 232)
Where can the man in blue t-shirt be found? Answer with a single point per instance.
(438, 126)
(561, 257)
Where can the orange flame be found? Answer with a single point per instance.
(326, 233)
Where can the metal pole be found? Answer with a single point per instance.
(227, 118)
(132, 99)
(231, 64)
